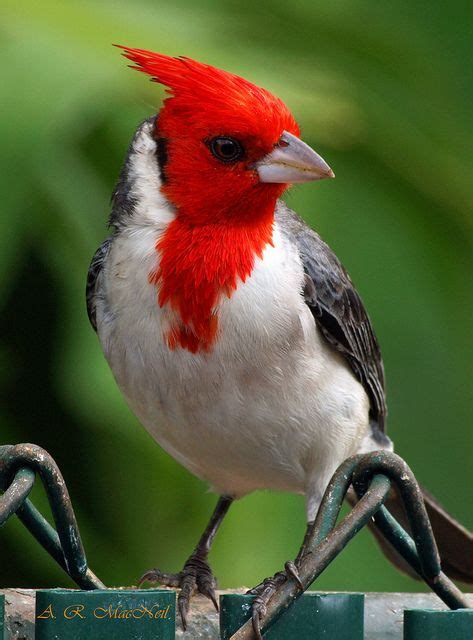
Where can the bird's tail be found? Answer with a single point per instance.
(455, 543)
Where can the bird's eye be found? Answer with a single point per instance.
(226, 149)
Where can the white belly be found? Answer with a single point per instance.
(271, 406)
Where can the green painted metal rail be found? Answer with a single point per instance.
(371, 476)
(18, 466)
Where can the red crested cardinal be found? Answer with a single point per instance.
(232, 329)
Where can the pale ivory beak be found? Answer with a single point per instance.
(292, 161)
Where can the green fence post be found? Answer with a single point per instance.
(428, 624)
(105, 614)
(331, 616)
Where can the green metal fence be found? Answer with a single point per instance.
(370, 476)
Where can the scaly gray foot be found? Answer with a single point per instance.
(266, 590)
(196, 576)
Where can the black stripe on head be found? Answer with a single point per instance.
(162, 157)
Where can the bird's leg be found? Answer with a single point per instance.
(196, 574)
(266, 589)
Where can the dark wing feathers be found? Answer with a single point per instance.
(92, 276)
(338, 309)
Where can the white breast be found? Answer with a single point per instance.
(271, 406)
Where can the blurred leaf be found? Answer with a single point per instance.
(384, 91)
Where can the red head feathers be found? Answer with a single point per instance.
(205, 103)
(211, 101)
(224, 213)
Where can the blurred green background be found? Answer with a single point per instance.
(383, 91)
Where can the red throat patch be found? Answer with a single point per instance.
(197, 266)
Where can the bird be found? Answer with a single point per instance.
(233, 331)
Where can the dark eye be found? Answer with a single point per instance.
(226, 149)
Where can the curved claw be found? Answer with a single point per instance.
(149, 576)
(195, 576)
(183, 604)
(266, 590)
(256, 616)
(155, 576)
(209, 592)
(206, 582)
(259, 604)
(188, 588)
(291, 570)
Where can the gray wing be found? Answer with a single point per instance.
(92, 277)
(339, 312)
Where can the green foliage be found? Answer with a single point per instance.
(383, 91)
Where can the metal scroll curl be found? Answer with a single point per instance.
(19, 465)
(371, 476)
